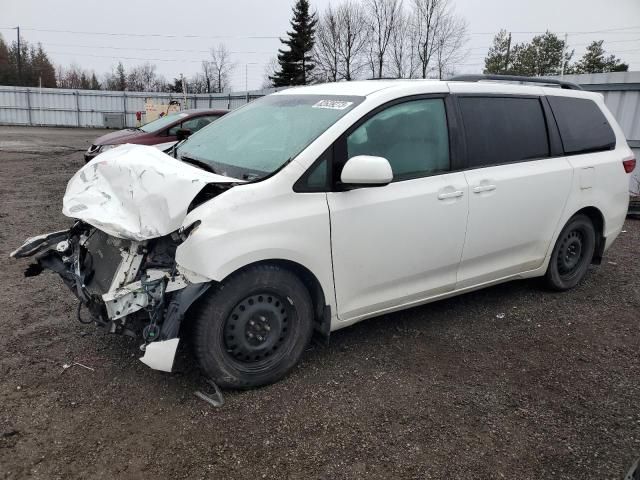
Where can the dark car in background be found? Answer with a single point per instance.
(164, 131)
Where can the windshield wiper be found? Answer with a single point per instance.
(250, 176)
(174, 149)
(198, 163)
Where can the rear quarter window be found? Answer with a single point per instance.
(582, 125)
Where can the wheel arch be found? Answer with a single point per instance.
(597, 218)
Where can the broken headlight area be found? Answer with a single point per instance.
(125, 286)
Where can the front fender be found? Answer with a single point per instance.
(241, 228)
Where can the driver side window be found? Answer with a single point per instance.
(173, 130)
(412, 136)
(193, 124)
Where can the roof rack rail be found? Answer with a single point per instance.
(517, 78)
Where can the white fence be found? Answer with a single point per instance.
(86, 108)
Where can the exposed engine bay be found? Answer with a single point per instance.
(124, 286)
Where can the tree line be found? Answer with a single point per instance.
(371, 39)
(350, 40)
(547, 54)
(412, 39)
(33, 68)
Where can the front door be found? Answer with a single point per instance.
(401, 243)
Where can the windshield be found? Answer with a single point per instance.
(162, 122)
(259, 138)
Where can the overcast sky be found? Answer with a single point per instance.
(177, 35)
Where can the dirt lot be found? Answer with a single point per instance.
(451, 390)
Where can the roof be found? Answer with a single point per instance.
(356, 88)
(367, 87)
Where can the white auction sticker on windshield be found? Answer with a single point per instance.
(333, 104)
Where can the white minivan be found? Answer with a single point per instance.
(320, 206)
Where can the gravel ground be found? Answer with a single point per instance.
(509, 382)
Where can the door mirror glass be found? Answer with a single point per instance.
(182, 133)
(366, 170)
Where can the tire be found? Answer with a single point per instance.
(252, 330)
(572, 254)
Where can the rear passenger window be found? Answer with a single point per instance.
(503, 130)
(412, 136)
(583, 127)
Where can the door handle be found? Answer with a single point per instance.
(483, 188)
(445, 196)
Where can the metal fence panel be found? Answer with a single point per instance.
(86, 108)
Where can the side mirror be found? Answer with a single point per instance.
(183, 133)
(366, 170)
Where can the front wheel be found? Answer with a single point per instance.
(253, 329)
(571, 254)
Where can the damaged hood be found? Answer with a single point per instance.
(135, 192)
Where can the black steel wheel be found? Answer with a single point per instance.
(572, 254)
(253, 329)
(256, 328)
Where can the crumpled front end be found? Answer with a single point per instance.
(136, 192)
(118, 259)
(125, 286)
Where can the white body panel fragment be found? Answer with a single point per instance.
(160, 355)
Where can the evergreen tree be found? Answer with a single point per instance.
(43, 68)
(34, 65)
(296, 61)
(6, 69)
(84, 81)
(95, 84)
(595, 61)
(543, 56)
(496, 59)
(121, 77)
(18, 77)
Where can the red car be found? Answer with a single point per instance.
(165, 130)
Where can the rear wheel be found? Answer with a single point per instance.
(253, 329)
(571, 254)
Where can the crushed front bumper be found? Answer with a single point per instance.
(120, 283)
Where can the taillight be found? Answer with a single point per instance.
(629, 164)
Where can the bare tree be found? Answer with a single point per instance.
(382, 21)
(403, 48)
(427, 16)
(72, 77)
(450, 40)
(143, 78)
(221, 68)
(269, 71)
(340, 41)
(353, 38)
(207, 73)
(199, 83)
(326, 51)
